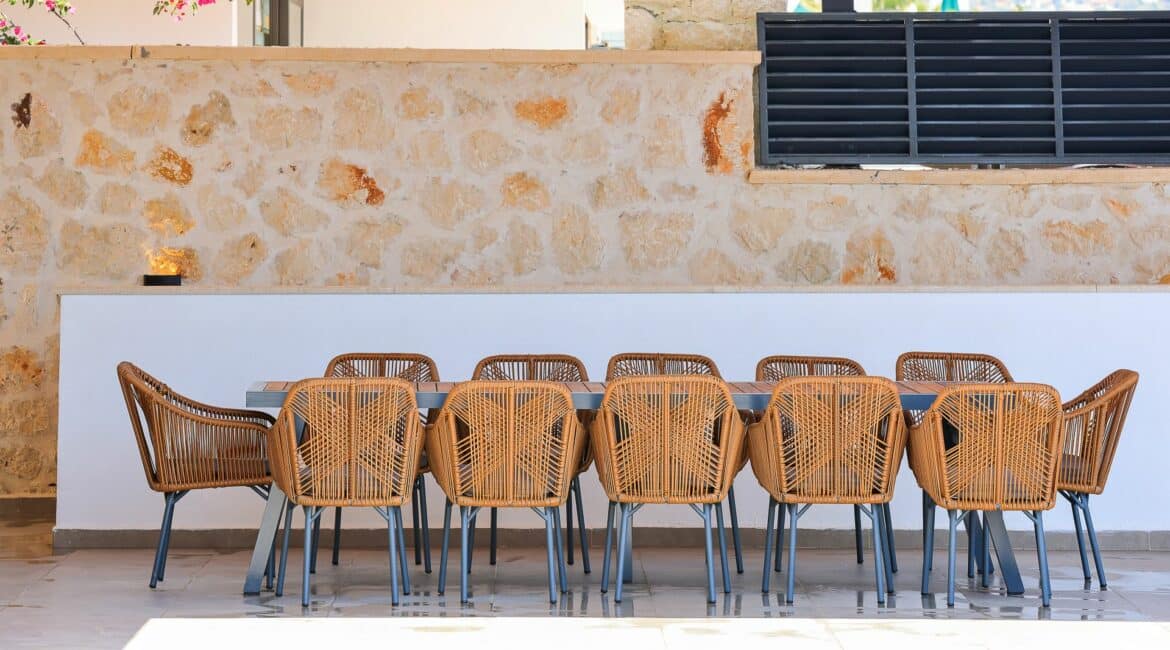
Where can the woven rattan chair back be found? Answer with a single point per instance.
(999, 449)
(531, 367)
(779, 367)
(634, 364)
(506, 444)
(365, 445)
(667, 439)
(187, 445)
(951, 366)
(830, 440)
(396, 365)
(1092, 425)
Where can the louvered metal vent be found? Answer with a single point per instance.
(1022, 88)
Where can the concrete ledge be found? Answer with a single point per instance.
(1020, 176)
(905, 540)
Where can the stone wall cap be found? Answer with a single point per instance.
(538, 289)
(360, 55)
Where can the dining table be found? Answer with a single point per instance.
(747, 395)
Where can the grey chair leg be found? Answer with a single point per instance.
(607, 551)
(857, 545)
(790, 592)
(780, 511)
(710, 560)
(176, 496)
(446, 545)
(466, 525)
(927, 543)
(164, 533)
(288, 517)
(394, 532)
(550, 543)
(307, 572)
(420, 505)
(494, 540)
(471, 542)
(881, 573)
(569, 524)
(735, 536)
(888, 527)
(769, 541)
(581, 527)
(970, 527)
(561, 570)
(1088, 524)
(396, 512)
(953, 517)
(877, 513)
(1042, 558)
(1076, 513)
(623, 531)
(985, 574)
(316, 544)
(718, 507)
(415, 523)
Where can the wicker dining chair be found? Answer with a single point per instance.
(542, 367)
(1092, 424)
(412, 368)
(186, 445)
(998, 451)
(505, 444)
(667, 440)
(363, 451)
(952, 367)
(829, 440)
(779, 367)
(634, 364)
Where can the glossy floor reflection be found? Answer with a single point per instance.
(100, 598)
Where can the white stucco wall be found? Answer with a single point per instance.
(130, 22)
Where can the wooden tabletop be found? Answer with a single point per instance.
(916, 395)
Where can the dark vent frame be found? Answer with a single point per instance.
(1031, 88)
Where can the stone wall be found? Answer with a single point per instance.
(511, 176)
(694, 24)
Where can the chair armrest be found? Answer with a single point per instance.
(601, 443)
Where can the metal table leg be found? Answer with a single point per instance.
(268, 525)
(1009, 571)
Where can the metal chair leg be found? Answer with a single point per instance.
(953, 517)
(494, 540)
(396, 512)
(581, 527)
(162, 569)
(569, 524)
(623, 531)
(710, 560)
(881, 573)
(877, 513)
(549, 544)
(927, 544)
(164, 530)
(857, 534)
(288, 517)
(607, 551)
(1092, 542)
(790, 592)
(969, 525)
(336, 535)
(316, 544)
(394, 532)
(780, 511)
(1076, 513)
(985, 574)
(718, 507)
(769, 541)
(446, 545)
(561, 570)
(891, 550)
(414, 521)
(421, 506)
(1042, 558)
(466, 525)
(471, 542)
(307, 572)
(735, 536)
